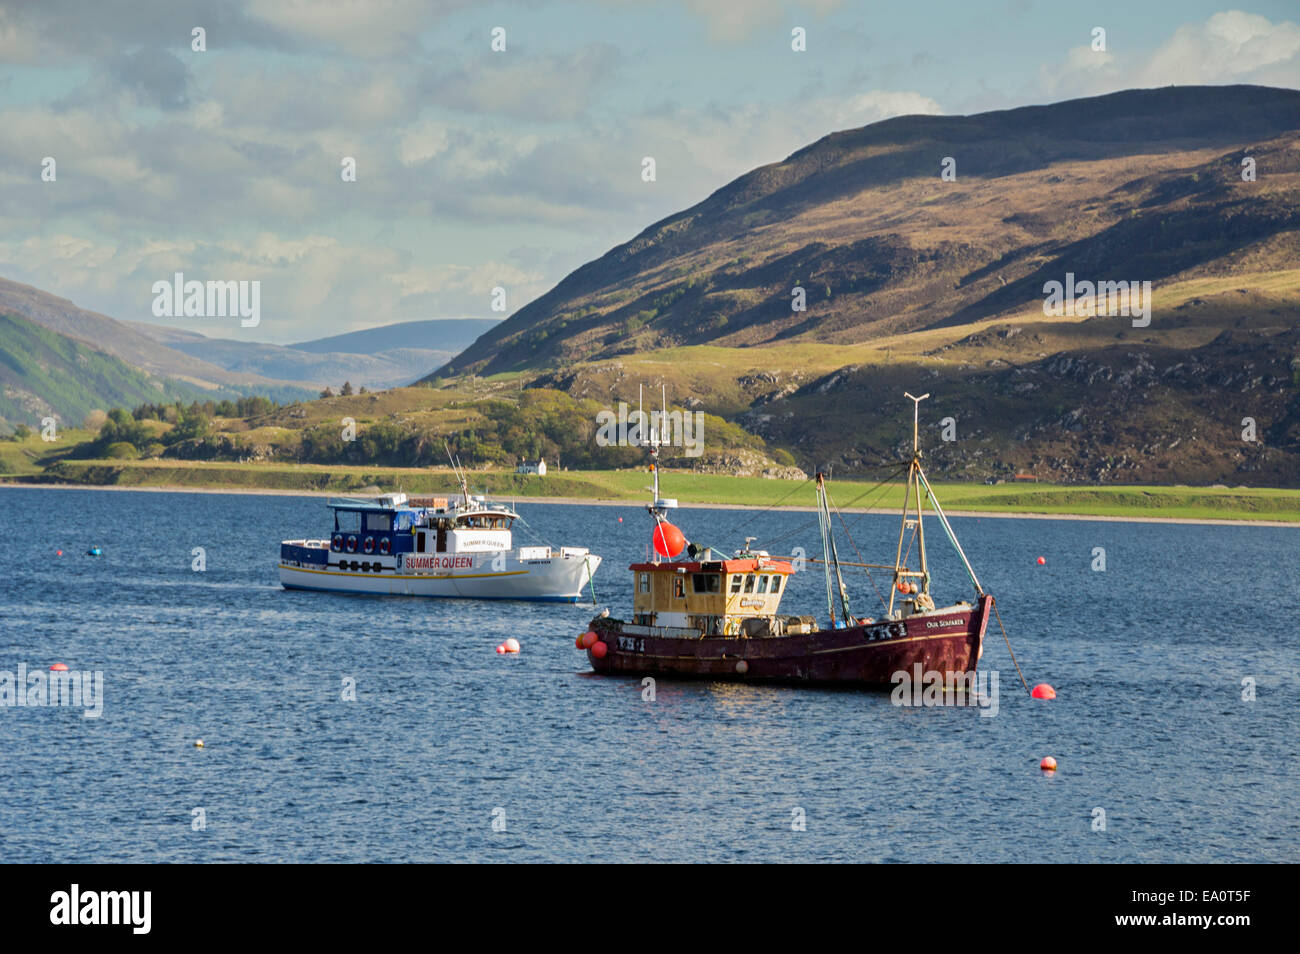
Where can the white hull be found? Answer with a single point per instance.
(559, 578)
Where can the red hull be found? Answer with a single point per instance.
(857, 655)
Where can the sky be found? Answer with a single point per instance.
(476, 168)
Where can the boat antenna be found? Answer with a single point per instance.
(458, 471)
(653, 442)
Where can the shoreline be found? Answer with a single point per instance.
(606, 502)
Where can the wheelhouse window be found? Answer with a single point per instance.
(750, 580)
(643, 582)
(776, 583)
(679, 588)
(736, 582)
(706, 582)
(347, 521)
(762, 583)
(383, 522)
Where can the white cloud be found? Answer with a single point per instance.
(1229, 47)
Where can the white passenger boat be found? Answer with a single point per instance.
(457, 546)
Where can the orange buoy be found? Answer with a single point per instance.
(1042, 560)
(58, 667)
(59, 553)
(1043, 691)
(599, 649)
(620, 519)
(578, 642)
(902, 586)
(511, 645)
(501, 650)
(589, 639)
(1048, 764)
(668, 540)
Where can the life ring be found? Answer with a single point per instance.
(385, 545)
(369, 545)
(337, 542)
(352, 544)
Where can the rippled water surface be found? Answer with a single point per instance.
(1148, 656)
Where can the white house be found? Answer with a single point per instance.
(528, 467)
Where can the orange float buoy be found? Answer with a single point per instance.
(599, 649)
(902, 586)
(58, 667)
(501, 650)
(1042, 560)
(578, 642)
(1043, 691)
(620, 519)
(668, 540)
(511, 645)
(59, 553)
(1048, 764)
(589, 639)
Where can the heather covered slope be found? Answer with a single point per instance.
(1143, 184)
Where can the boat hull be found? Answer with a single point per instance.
(484, 577)
(946, 641)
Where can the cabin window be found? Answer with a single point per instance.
(643, 582)
(735, 583)
(420, 545)
(679, 588)
(706, 582)
(762, 583)
(383, 522)
(750, 579)
(776, 584)
(348, 521)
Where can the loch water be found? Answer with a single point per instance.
(451, 752)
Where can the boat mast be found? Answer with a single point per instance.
(830, 554)
(914, 481)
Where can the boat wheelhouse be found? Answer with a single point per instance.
(713, 596)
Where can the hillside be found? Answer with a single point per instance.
(44, 374)
(124, 342)
(916, 283)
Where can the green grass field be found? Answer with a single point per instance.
(1188, 503)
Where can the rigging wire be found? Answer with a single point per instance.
(1009, 649)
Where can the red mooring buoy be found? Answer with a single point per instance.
(58, 667)
(1043, 691)
(599, 649)
(1042, 560)
(1048, 764)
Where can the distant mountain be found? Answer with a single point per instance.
(1141, 184)
(389, 356)
(310, 369)
(434, 334)
(126, 342)
(44, 373)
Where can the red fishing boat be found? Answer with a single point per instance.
(698, 614)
